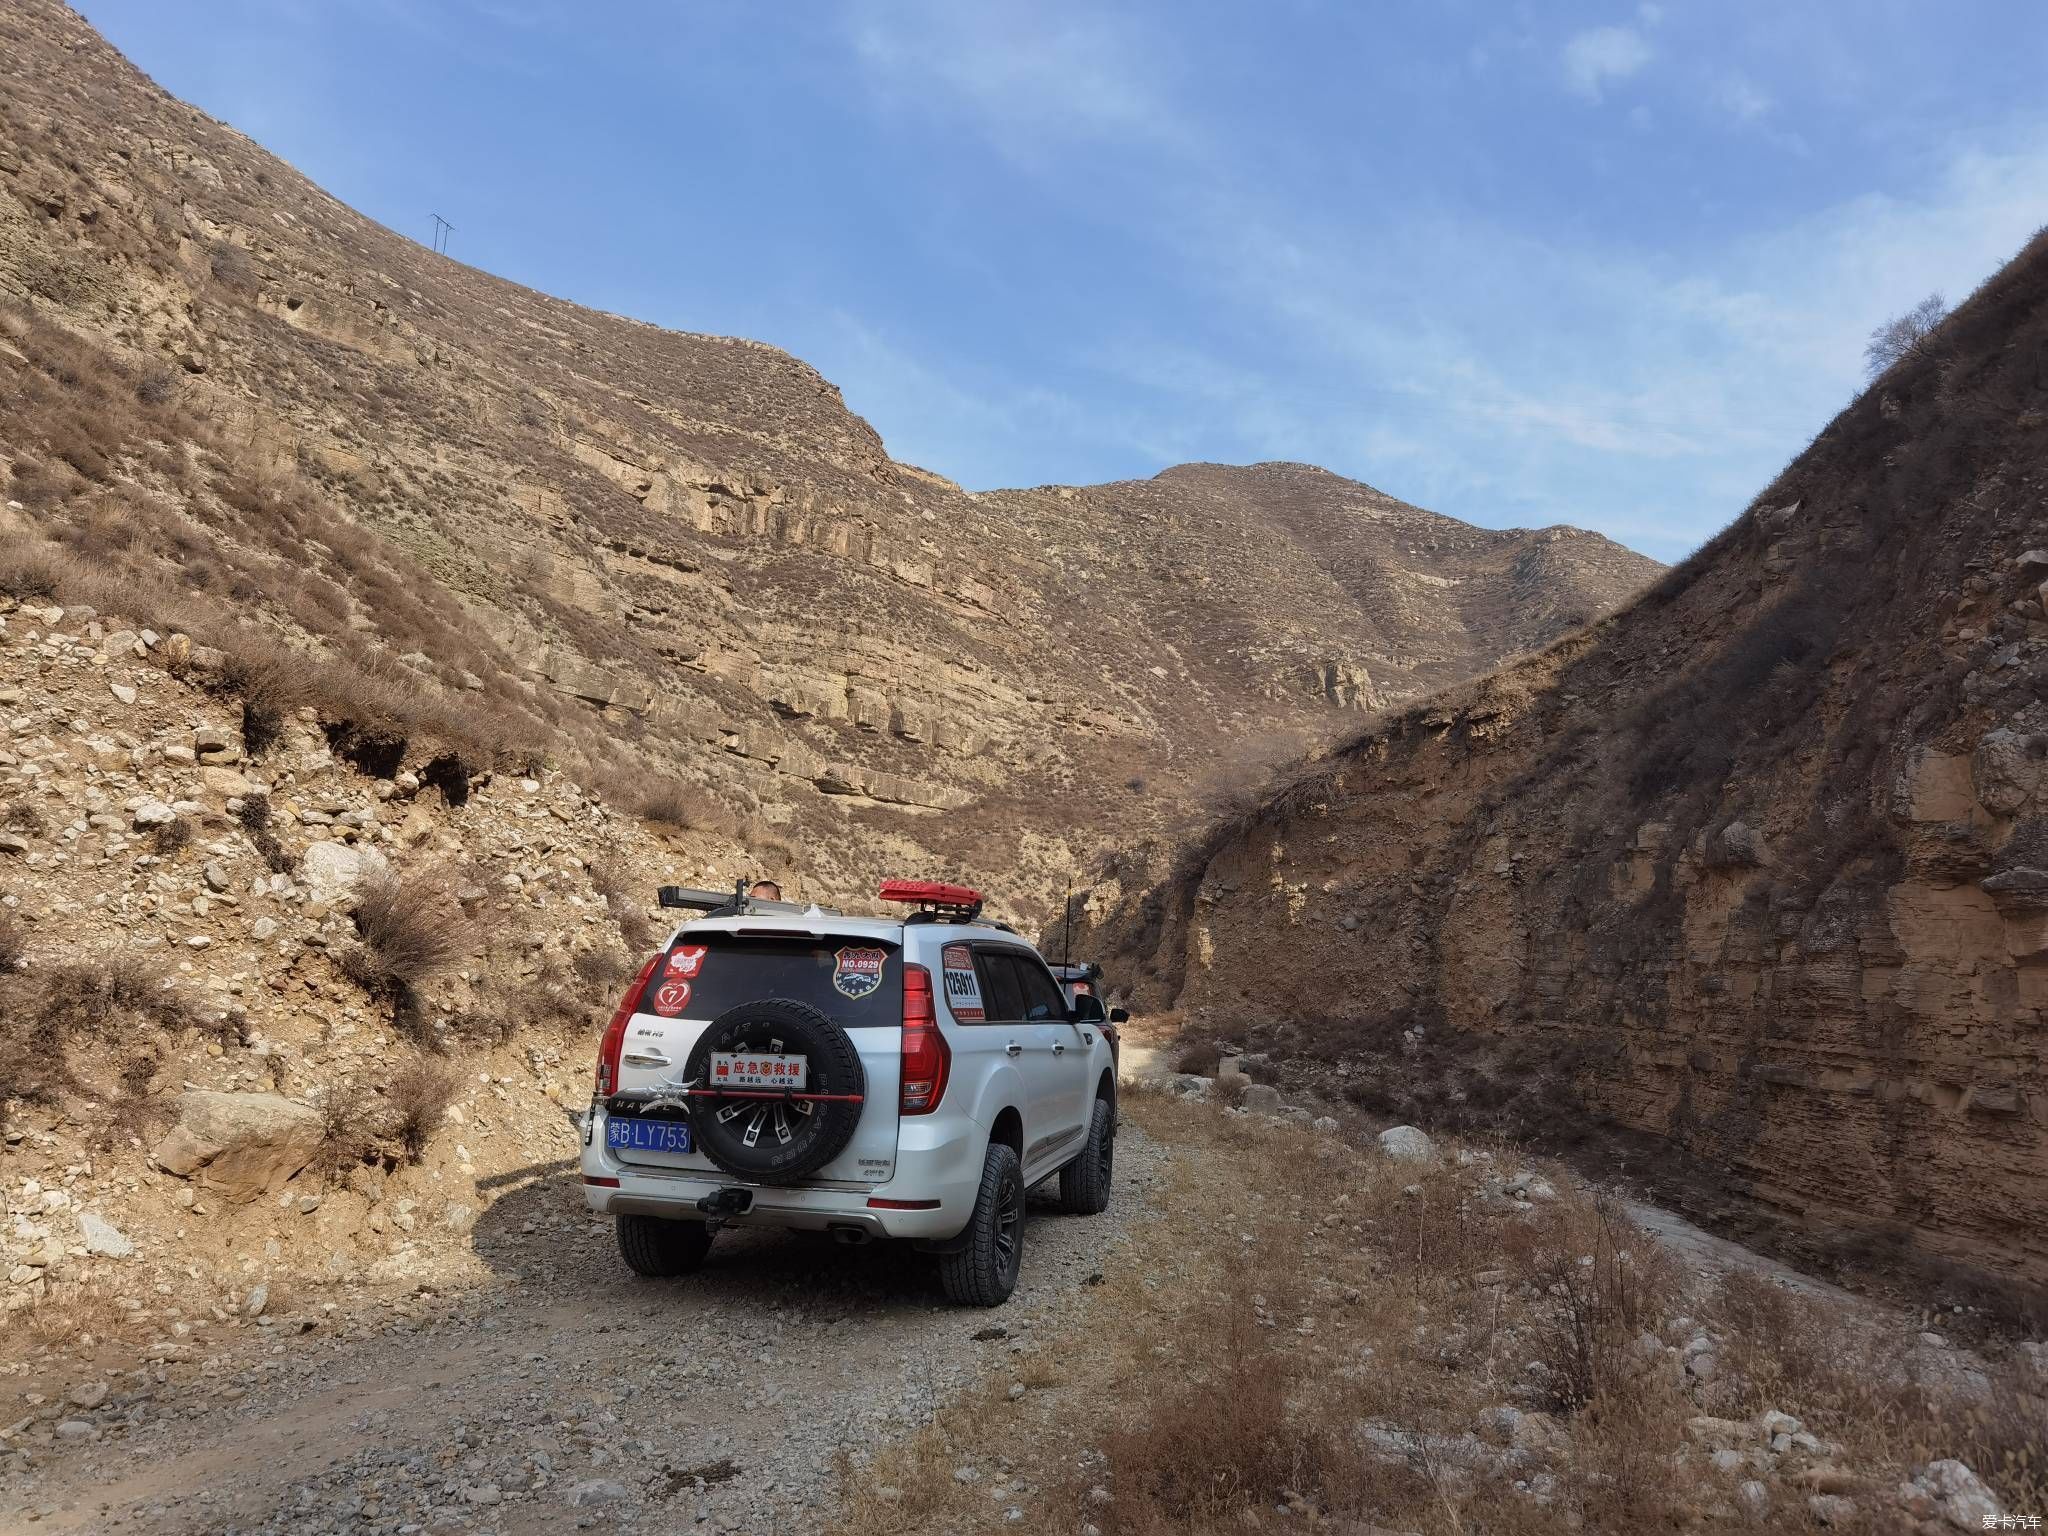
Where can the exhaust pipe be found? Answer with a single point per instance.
(850, 1236)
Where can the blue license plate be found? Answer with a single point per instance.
(623, 1133)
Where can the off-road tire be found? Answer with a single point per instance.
(662, 1249)
(1084, 1183)
(983, 1272)
(817, 1132)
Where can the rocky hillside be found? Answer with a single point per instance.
(674, 564)
(1749, 881)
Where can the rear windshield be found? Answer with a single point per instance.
(859, 982)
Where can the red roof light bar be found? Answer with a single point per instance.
(930, 893)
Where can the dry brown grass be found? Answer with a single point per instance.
(254, 816)
(410, 930)
(1337, 1335)
(45, 1008)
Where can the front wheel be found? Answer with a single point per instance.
(662, 1249)
(983, 1272)
(1084, 1183)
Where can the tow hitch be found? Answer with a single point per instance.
(724, 1204)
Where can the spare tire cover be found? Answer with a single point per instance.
(773, 1141)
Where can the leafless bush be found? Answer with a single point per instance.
(170, 837)
(348, 1128)
(254, 815)
(1605, 1284)
(43, 1009)
(272, 682)
(13, 941)
(411, 930)
(1227, 1439)
(600, 968)
(419, 1098)
(157, 386)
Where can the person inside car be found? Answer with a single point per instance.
(764, 890)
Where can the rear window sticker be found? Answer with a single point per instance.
(859, 971)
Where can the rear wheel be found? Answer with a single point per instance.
(984, 1271)
(662, 1249)
(1084, 1183)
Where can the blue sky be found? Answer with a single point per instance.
(1592, 263)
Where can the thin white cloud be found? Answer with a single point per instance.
(1740, 98)
(1032, 77)
(1599, 56)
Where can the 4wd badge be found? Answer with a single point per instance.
(859, 971)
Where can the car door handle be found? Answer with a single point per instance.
(1013, 1049)
(1059, 1048)
(645, 1059)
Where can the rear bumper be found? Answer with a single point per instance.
(937, 1160)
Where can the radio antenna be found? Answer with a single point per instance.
(1067, 943)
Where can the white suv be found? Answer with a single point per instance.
(788, 1066)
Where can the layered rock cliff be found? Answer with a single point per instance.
(652, 556)
(1749, 880)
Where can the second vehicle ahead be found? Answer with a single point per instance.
(913, 1077)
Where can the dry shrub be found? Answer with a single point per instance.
(601, 968)
(348, 1128)
(419, 1098)
(170, 837)
(1603, 1283)
(1227, 1441)
(272, 682)
(13, 941)
(1862, 1387)
(44, 1008)
(254, 815)
(411, 929)
(1201, 1057)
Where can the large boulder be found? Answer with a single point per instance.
(1405, 1144)
(242, 1145)
(2009, 767)
(333, 872)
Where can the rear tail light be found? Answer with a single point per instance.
(614, 1040)
(926, 1056)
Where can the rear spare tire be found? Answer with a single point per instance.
(773, 1140)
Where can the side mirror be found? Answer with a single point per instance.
(1119, 1015)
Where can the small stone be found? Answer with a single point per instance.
(216, 876)
(484, 1493)
(1016, 1390)
(75, 1429)
(89, 1394)
(154, 813)
(103, 1238)
(1832, 1508)
(258, 1299)
(123, 692)
(1753, 1498)
(263, 928)
(599, 1490)
(13, 842)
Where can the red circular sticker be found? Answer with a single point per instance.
(671, 998)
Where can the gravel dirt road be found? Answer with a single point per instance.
(571, 1394)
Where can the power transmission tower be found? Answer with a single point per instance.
(442, 230)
